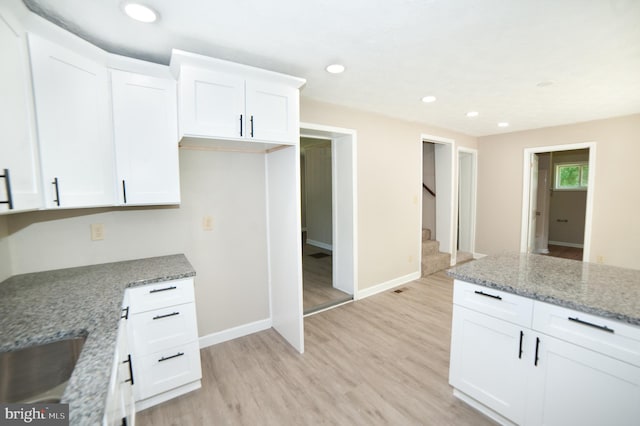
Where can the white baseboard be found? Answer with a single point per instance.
(563, 244)
(388, 285)
(320, 244)
(235, 332)
(479, 255)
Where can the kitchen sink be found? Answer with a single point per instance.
(38, 374)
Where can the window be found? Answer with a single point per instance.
(572, 176)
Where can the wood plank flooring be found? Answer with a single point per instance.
(378, 361)
(318, 291)
(574, 253)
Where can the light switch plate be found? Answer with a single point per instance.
(97, 231)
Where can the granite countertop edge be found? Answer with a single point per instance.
(103, 286)
(548, 299)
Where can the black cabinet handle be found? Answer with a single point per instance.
(241, 125)
(171, 357)
(482, 293)
(56, 185)
(7, 185)
(520, 350)
(158, 290)
(126, 313)
(166, 315)
(535, 362)
(128, 360)
(124, 191)
(252, 126)
(590, 324)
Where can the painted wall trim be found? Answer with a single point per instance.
(474, 192)
(387, 285)
(479, 255)
(320, 244)
(234, 332)
(526, 185)
(563, 244)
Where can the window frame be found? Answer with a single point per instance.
(556, 176)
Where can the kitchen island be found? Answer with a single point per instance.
(540, 340)
(48, 306)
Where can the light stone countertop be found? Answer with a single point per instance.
(47, 306)
(607, 291)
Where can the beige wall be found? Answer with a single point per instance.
(389, 173)
(230, 261)
(616, 230)
(429, 179)
(5, 255)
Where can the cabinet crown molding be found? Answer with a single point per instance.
(180, 58)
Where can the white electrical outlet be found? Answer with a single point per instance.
(97, 231)
(207, 223)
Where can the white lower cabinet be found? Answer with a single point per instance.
(485, 362)
(120, 408)
(163, 339)
(574, 369)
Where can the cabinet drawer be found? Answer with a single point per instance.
(160, 295)
(610, 337)
(153, 331)
(498, 304)
(166, 370)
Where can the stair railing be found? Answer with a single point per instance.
(428, 189)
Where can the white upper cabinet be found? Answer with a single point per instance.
(146, 139)
(73, 117)
(223, 100)
(272, 111)
(211, 104)
(19, 167)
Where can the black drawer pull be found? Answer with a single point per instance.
(128, 360)
(482, 293)
(535, 362)
(158, 290)
(520, 351)
(599, 327)
(125, 315)
(170, 357)
(240, 124)
(7, 185)
(166, 315)
(56, 184)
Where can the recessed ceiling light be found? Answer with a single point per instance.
(503, 124)
(140, 12)
(335, 68)
(429, 99)
(472, 114)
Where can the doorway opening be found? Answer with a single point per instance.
(558, 200)
(328, 212)
(467, 166)
(437, 249)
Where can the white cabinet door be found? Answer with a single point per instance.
(146, 139)
(18, 150)
(572, 385)
(489, 361)
(73, 117)
(272, 110)
(211, 104)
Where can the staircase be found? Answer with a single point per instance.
(432, 259)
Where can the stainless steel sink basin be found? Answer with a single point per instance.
(38, 374)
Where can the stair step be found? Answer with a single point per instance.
(435, 262)
(426, 234)
(430, 247)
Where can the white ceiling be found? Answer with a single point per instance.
(482, 55)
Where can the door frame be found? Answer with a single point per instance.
(474, 194)
(344, 213)
(445, 167)
(526, 190)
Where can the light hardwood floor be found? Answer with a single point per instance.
(318, 291)
(574, 253)
(383, 360)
